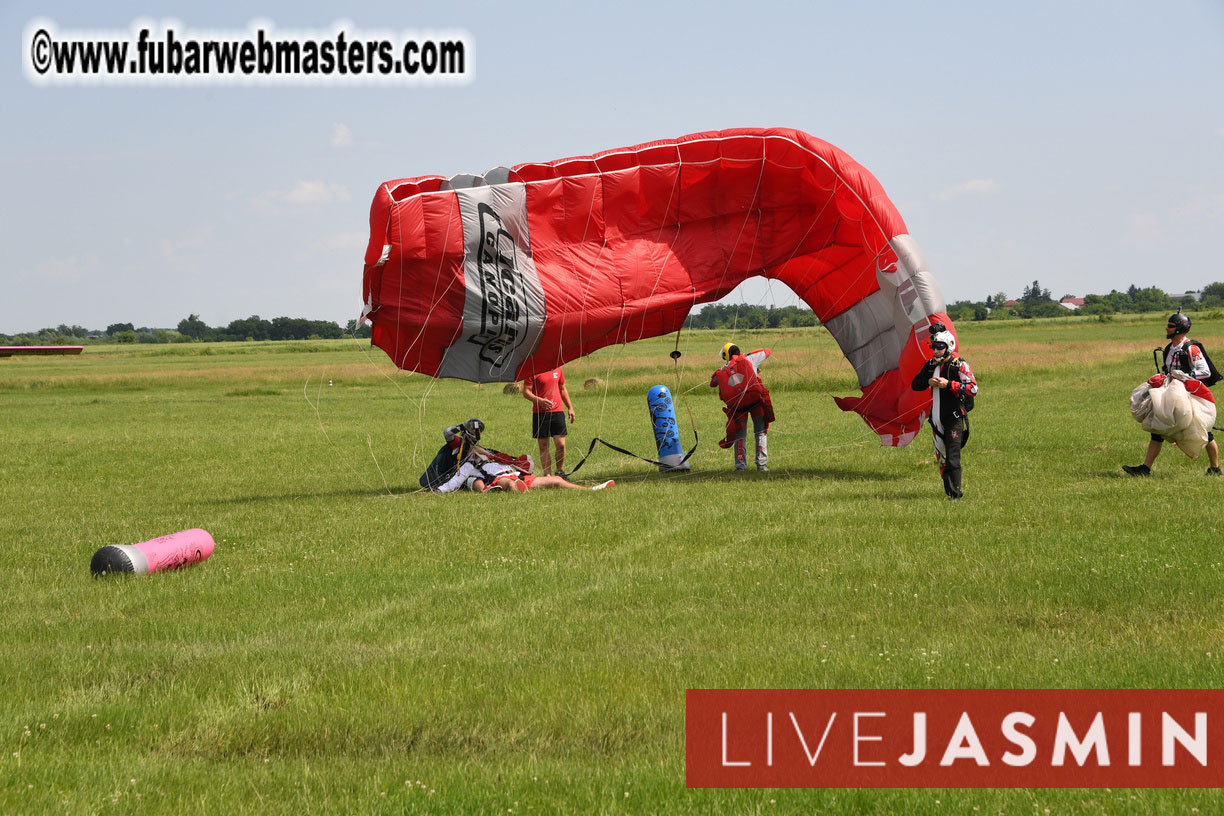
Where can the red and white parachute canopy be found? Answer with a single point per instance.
(495, 277)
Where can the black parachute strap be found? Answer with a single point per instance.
(606, 444)
(1156, 357)
(675, 355)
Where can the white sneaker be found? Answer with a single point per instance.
(608, 483)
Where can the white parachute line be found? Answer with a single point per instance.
(671, 196)
(752, 210)
(319, 418)
(434, 297)
(586, 289)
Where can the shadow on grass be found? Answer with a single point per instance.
(628, 478)
(352, 492)
(775, 474)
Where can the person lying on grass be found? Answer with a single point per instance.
(484, 470)
(488, 476)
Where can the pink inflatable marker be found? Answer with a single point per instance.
(166, 553)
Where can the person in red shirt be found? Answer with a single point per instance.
(547, 393)
(740, 388)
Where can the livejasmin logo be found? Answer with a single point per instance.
(955, 738)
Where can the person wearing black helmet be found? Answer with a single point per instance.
(953, 389)
(461, 441)
(1187, 359)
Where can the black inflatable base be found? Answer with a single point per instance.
(110, 559)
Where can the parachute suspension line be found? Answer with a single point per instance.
(319, 418)
(586, 289)
(659, 234)
(434, 297)
(753, 209)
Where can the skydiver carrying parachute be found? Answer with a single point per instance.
(1176, 405)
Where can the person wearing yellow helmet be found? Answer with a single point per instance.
(744, 395)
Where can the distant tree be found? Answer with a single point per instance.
(1213, 296)
(115, 328)
(1152, 299)
(194, 327)
(248, 328)
(1046, 308)
(1035, 294)
(125, 336)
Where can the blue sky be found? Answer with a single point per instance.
(1080, 144)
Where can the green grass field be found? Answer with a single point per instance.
(357, 646)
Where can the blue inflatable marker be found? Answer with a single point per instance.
(667, 434)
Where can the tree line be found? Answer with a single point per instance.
(744, 316)
(1034, 302)
(190, 329)
(1037, 302)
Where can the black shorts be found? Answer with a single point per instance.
(545, 425)
(1159, 438)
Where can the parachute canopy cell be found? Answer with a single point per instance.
(496, 277)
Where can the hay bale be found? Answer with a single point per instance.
(592, 384)
(513, 388)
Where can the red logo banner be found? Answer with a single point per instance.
(954, 738)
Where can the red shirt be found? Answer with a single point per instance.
(547, 386)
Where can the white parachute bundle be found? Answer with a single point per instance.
(1182, 415)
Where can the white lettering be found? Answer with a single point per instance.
(1171, 732)
(768, 736)
(919, 752)
(727, 762)
(964, 744)
(1011, 732)
(1134, 739)
(1065, 737)
(812, 757)
(857, 738)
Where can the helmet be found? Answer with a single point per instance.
(1178, 324)
(943, 340)
(472, 429)
(729, 351)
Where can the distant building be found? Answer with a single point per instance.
(1178, 297)
(1071, 303)
(1011, 304)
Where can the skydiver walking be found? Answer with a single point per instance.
(953, 388)
(745, 395)
(1186, 358)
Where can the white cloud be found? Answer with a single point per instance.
(341, 135)
(1220, 132)
(308, 193)
(1209, 207)
(72, 269)
(974, 187)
